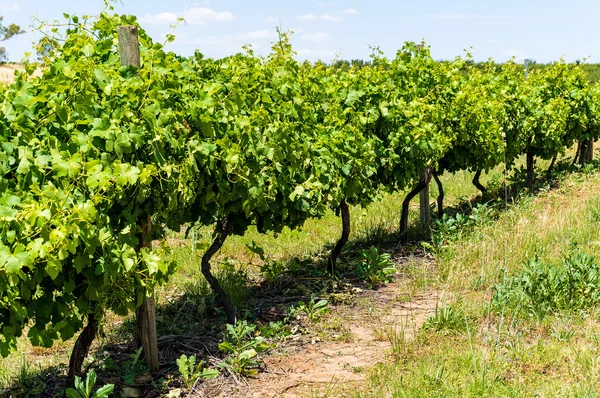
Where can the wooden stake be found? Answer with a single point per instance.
(129, 50)
(129, 46)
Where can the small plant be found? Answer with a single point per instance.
(192, 372)
(447, 320)
(275, 331)
(28, 378)
(313, 309)
(84, 390)
(451, 228)
(243, 347)
(398, 341)
(543, 288)
(376, 267)
(133, 367)
(565, 334)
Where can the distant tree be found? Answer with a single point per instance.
(45, 49)
(359, 63)
(6, 32)
(341, 64)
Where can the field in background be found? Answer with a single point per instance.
(7, 72)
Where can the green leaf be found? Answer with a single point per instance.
(151, 260)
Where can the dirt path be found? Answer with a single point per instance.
(308, 366)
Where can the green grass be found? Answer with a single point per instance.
(467, 350)
(504, 352)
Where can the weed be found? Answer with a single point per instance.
(243, 347)
(133, 367)
(451, 228)
(563, 333)
(375, 268)
(397, 338)
(82, 390)
(447, 320)
(543, 288)
(278, 331)
(27, 378)
(313, 310)
(191, 371)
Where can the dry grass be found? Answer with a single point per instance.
(479, 361)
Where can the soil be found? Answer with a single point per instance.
(309, 364)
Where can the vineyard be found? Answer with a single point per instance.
(118, 149)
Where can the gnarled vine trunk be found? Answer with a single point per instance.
(530, 170)
(423, 182)
(224, 229)
(551, 167)
(586, 152)
(577, 153)
(477, 182)
(82, 348)
(345, 214)
(440, 198)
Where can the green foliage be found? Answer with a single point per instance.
(450, 228)
(92, 150)
(448, 319)
(375, 267)
(312, 309)
(541, 288)
(276, 331)
(80, 166)
(133, 367)
(243, 346)
(191, 371)
(85, 390)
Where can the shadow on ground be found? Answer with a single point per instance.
(192, 322)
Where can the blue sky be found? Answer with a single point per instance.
(535, 29)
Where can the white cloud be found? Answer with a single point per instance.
(313, 55)
(308, 17)
(271, 19)
(6, 7)
(193, 16)
(328, 17)
(350, 11)
(259, 34)
(317, 37)
(323, 4)
(228, 44)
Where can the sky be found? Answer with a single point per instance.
(346, 29)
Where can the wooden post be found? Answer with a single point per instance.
(129, 50)
(129, 46)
